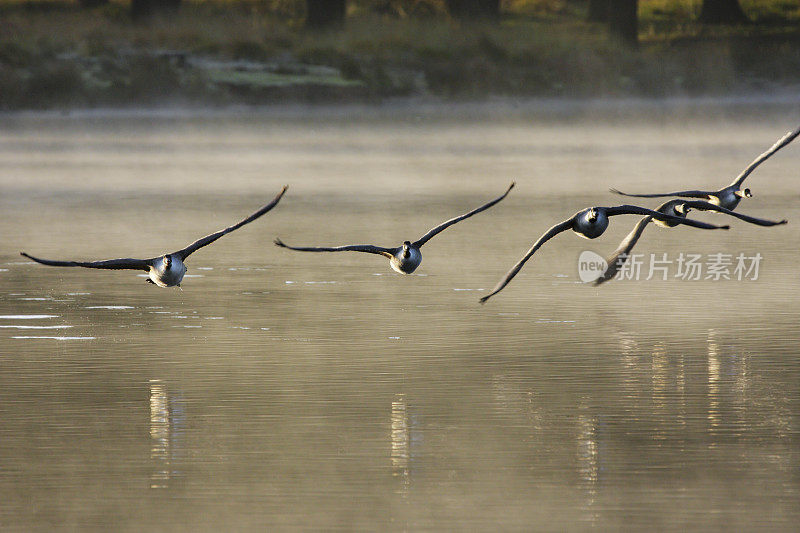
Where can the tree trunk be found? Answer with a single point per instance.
(598, 10)
(722, 12)
(623, 20)
(473, 9)
(145, 9)
(322, 14)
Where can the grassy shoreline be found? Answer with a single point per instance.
(218, 55)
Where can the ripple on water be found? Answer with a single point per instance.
(22, 326)
(112, 307)
(54, 338)
(26, 317)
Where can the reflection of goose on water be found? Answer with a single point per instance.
(167, 426)
(166, 270)
(591, 223)
(677, 208)
(405, 258)
(730, 196)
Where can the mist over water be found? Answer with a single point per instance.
(287, 390)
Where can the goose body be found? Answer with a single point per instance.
(406, 259)
(590, 223)
(167, 271)
(729, 197)
(675, 208)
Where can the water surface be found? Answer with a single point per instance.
(281, 390)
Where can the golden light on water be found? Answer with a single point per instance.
(159, 435)
(400, 441)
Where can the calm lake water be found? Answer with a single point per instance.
(283, 390)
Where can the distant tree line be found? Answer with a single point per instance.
(619, 15)
(473, 9)
(141, 9)
(622, 19)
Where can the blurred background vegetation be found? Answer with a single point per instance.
(217, 52)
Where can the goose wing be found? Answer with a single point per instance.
(636, 210)
(549, 234)
(783, 141)
(208, 239)
(444, 225)
(708, 206)
(685, 194)
(111, 264)
(368, 248)
(620, 255)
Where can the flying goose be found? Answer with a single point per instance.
(591, 223)
(730, 196)
(678, 208)
(406, 257)
(166, 270)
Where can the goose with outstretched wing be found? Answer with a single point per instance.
(591, 223)
(166, 270)
(677, 208)
(730, 196)
(407, 257)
